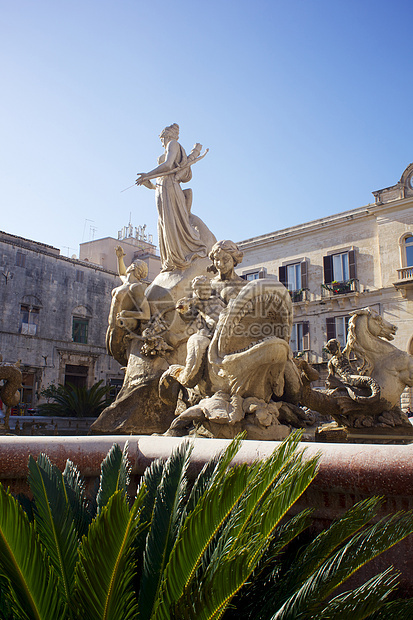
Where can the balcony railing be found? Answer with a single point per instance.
(301, 295)
(340, 288)
(405, 274)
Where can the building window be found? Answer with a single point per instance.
(337, 328)
(300, 337)
(79, 275)
(115, 387)
(29, 320)
(20, 259)
(294, 276)
(79, 330)
(76, 375)
(255, 275)
(408, 251)
(340, 267)
(28, 388)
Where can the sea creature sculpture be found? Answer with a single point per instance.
(369, 395)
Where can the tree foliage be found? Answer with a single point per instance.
(72, 401)
(221, 547)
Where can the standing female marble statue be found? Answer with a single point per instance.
(182, 236)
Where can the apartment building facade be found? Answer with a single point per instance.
(340, 263)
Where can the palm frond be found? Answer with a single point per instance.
(266, 575)
(33, 584)
(75, 490)
(71, 400)
(170, 495)
(400, 609)
(280, 487)
(322, 546)
(361, 602)
(27, 504)
(197, 532)
(115, 474)
(360, 549)
(105, 570)
(151, 479)
(212, 471)
(54, 519)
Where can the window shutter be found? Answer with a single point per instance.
(304, 278)
(328, 269)
(331, 327)
(282, 275)
(261, 273)
(352, 264)
(306, 336)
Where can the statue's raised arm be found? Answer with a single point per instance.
(182, 236)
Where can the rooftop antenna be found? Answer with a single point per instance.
(84, 228)
(92, 230)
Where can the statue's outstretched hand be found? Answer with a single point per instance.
(142, 180)
(119, 251)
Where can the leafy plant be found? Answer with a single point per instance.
(70, 400)
(187, 551)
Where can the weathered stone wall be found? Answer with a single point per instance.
(56, 288)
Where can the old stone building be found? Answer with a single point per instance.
(54, 317)
(136, 244)
(334, 265)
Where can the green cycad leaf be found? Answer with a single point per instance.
(274, 475)
(361, 548)
(265, 576)
(105, 570)
(214, 598)
(252, 538)
(115, 471)
(197, 532)
(323, 545)
(167, 511)
(54, 520)
(397, 610)
(75, 490)
(34, 591)
(151, 479)
(361, 602)
(212, 471)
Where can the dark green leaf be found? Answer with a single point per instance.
(34, 591)
(115, 472)
(170, 497)
(54, 520)
(105, 570)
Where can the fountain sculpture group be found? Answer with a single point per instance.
(202, 347)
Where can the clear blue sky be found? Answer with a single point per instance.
(305, 105)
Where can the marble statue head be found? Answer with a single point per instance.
(139, 269)
(230, 248)
(171, 132)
